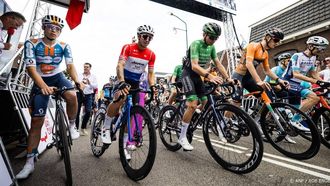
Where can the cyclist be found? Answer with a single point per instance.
(199, 54)
(43, 57)
(325, 74)
(176, 77)
(107, 90)
(131, 65)
(302, 64)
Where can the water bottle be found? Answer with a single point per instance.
(289, 113)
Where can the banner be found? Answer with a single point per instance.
(75, 12)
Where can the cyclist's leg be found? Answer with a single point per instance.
(38, 106)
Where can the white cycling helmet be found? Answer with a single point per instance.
(318, 42)
(145, 29)
(52, 19)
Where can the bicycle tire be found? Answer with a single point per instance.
(169, 127)
(238, 151)
(324, 130)
(64, 147)
(139, 172)
(95, 137)
(271, 130)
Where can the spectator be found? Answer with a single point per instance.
(88, 98)
(325, 74)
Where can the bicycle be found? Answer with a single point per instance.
(137, 121)
(320, 114)
(244, 148)
(61, 133)
(276, 122)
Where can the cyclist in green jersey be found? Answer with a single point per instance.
(176, 77)
(199, 54)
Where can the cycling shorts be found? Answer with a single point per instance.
(247, 82)
(38, 102)
(193, 86)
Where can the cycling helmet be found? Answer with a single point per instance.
(145, 29)
(275, 33)
(318, 41)
(285, 55)
(52, 19)
(212, 29)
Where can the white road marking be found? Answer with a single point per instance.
(227, 144)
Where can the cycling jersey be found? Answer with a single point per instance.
(301, 63)
(177, 73)
(202, 52)
(278, 70)
(46, 59)
(257, 54)
(136, 61)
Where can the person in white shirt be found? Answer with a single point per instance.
(325, 74)
(87, 99)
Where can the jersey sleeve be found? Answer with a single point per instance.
(295, 62)
(213, 53)
(250, 51)
(29, 54)
(152, 60)
(194, 54)
(68, 54)
(124, 52)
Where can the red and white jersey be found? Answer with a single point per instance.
(136, 61)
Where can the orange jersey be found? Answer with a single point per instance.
(254, 53)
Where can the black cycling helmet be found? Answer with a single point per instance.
(275, 33)
(212, 29)
(285, 55)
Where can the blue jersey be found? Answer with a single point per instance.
(278, 70)
(46, 59)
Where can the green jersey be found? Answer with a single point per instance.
(203, 52)
(177, 72)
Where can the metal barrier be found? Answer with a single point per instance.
(7, 175)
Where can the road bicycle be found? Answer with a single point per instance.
(243, 151)
(137, 122)
(276, 121)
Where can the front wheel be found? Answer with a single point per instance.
(138, 162)
(241, 155)
(97, 146)
(283, 129)
(64, 144)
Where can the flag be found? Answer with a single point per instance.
(75, 12)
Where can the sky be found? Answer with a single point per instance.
(110, 24)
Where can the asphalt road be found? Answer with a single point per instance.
(176, 168)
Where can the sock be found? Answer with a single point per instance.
(125, 140)
(184, 129)
(72, 122)
(31, 156)
(107, 121)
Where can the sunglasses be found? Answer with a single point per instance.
(213, 37)
(53, 27)
(276, 40)
(320, 48)
(146, 36)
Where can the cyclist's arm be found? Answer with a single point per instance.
(120, 70)
(72, 72)
(151, 77)
(198, 69)
(221, 68)
(298, 75)
(173, 79)
(315, 75)
(32, 71)
(270, 73)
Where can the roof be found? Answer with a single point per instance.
(298, 17)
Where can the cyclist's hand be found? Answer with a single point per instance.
(232, 81)
(215, 79)
(284, 83)
(123, 88)
(264, 85)
(47, 90)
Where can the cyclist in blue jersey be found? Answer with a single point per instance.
(301, 72)
(43, 57)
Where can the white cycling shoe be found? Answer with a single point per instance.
(299, 126)
(74, 133)
(25, 172)
(127, 155)
(185, 144)
(105, 136)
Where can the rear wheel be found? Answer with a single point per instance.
(305, 145)
(143, 137)
(243, 151)
(64, 144)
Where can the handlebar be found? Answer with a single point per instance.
(135, 91)
(228, 86)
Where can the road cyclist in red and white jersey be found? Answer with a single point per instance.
(43, 57)
(133, 60)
